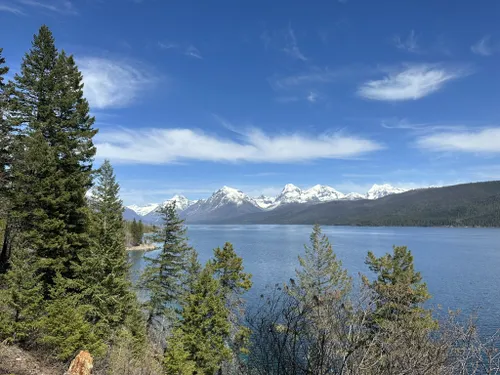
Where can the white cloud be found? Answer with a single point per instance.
(479, 141)
(483, 47)
(192, 51)
(167, 45)
(161, 146)
(291, 47)
(414, 82)
(56, 6)
(11, 9)
(317, 75)
(409, 44)
(312, 97)
(111, 83)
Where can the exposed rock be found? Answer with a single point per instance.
(82, 364)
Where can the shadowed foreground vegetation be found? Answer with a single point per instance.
(65, 285)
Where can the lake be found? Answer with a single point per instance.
(460, 265)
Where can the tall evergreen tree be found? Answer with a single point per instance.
(5, 131)
(399, 290)
(321, 274)
(135, 229)
(321, 297)
(164, 275)
(56, 163)
(228, 268)
(102, 270)
(6, 152)
(199, 344)
(22, 299)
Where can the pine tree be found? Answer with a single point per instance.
(102, 270)
(321, 293)
(164, 274)
(399, 290)
(193, 269)
(200, 340)
(5, 132)
(140, 229)
(6, 152)
(228, 268)
(321, 275)
(135, 230)
(65, 329)
(22, 299)
(56, 163)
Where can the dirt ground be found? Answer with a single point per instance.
(15, 361)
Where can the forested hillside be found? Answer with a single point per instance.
(474, 204)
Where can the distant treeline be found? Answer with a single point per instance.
(135, 230)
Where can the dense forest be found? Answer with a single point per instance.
(65, 286)
(466, 205)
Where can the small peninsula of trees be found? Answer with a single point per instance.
(65, 277)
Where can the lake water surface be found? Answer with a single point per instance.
(460, 265)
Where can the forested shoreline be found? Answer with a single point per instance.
(65, 285)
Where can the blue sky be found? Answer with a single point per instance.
(193, 95)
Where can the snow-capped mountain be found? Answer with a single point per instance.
(264, 201)
(227, 195)
(322, 193)
(289, 194)
(316, 194)
(224, 203)
(228, 202)
(144, 210)
(380, 191)
(353, 196)
(181, 203)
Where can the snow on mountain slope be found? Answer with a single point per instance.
(289, 194)
(321, 193)
(380, 191)
(224, 203)
(181, 203)
(144, 210)
(227, 195)
(264, 201)
(354, 196)
(316, 194)
(230, 202)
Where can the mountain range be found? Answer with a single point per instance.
(228, 202)
(472, 204)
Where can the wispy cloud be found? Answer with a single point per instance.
(315, 75)
(483, 46)
(112, 83)
(291, 47)
(55, 6)
(167, 45)
(312, 97)
(404, 124)
(162, 146)
(285, 41)
(486, 141)
(11, 9)
(411, 83)
(410, 44)
(192, 51)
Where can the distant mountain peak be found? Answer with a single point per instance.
(380, 191)
(144, 210)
